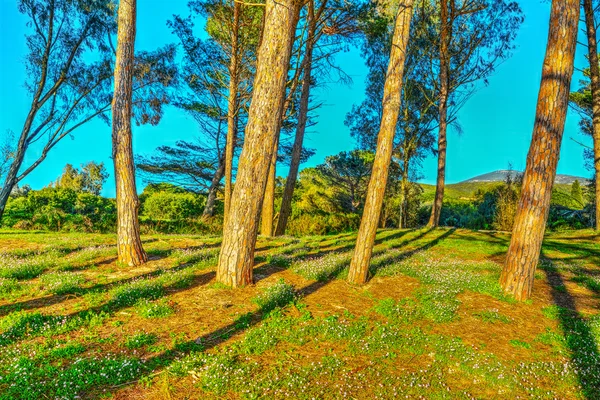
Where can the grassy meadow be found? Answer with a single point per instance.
(431, 323)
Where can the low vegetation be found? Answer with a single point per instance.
(432, 322)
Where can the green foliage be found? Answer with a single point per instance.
(90, 179)
(492, 316)
(322, 268)
(61, 209)
(140, 340)
(577, 194)
(276, 295)
(148, 309)
(28, 378)
(173, 206)
(129, 294)
(8, 286)
(26, 267)
(61, 282)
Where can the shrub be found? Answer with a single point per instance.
(173, 206)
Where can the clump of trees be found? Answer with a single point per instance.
(248, 84)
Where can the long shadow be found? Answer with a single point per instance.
(380, 262)
(579, 337)
(221, 335)
(42, 302)
(393, 236)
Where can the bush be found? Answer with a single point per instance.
(173, 206)
(322, 224)
(60, 209)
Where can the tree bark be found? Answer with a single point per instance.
(209, 208)
(268, 208)
(590, 24)
(530, 222)
(359, 266)
(445, 38)
(11, 176)
(239, 234)
(232, 105)
(290, 183)
(129, 244)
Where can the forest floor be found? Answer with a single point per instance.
(431, 323)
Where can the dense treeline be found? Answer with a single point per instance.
(327, 199)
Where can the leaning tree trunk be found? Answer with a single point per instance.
(129, 244)
(445, 37)
(209, 208)
(359, 266)
(232, 105)
(239, 234)
(290, 183)
(268, 208)
(590, 24)
(530, 221)
(11, 176)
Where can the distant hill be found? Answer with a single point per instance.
(500, 175)
(466, 190)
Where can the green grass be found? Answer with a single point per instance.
(431, 323)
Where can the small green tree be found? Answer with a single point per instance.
(577, 194)
(90, 179)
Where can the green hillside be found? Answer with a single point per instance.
(466, 190)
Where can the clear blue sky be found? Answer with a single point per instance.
(497, 122)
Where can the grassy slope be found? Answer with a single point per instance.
(432, 321)
(466, 190)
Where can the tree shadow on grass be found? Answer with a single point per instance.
(384, 260)
(42, 302)
(578, 334)
(219, 336)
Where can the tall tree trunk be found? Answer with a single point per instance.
(530, 221)
(290, 183)
(445, 38)
(590, 24)
(232, 105)
(129, 244)
(209, 208)
(359, 266)
(268, 208)
(239, 234)
(11, 175)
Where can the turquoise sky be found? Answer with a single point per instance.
(497, 122)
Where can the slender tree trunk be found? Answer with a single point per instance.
(129, 244)
(11, 177)
(359, 266)
(232, 105)
(445, 38)
(268, 208)
(239, 234)
(590, 24)
(290, 183)
(530, 221)
(209, 208)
